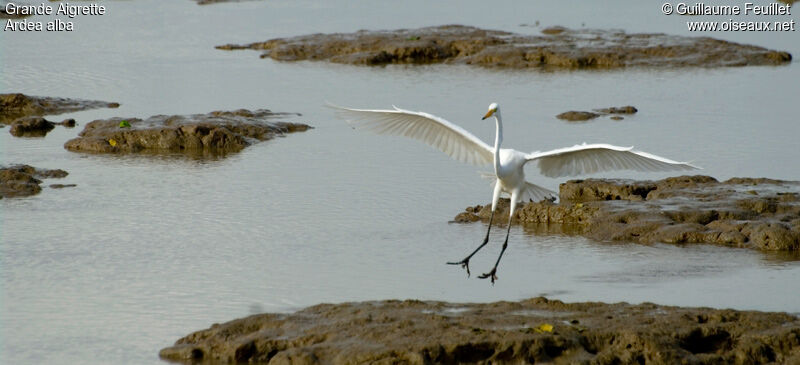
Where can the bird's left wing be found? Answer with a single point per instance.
(435, 131)
(590, 158)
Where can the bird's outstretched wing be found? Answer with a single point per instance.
(589, 158)
(435, 131)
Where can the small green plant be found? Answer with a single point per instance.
(124, 124)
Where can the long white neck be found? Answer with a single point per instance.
(498, 139)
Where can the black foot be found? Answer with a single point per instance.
(491, 274)
(464, 264)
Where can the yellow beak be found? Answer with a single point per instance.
(488, 114)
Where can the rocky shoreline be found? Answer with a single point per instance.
(530, 331)
(24, 180)
(218, 132)
(562, 49)
(753, 213)
(16, 105)
(24, 112)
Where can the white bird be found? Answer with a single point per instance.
(508, 163)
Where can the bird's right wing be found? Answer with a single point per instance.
(435, 131)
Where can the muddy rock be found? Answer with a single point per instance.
(31, 127)
(23, 180)
(36, 126)
(565, 49)
(554, 30)
(68, 123)
(628, 109)
(61, 186)
(536, 330)
(14, 106)
(762, 214)
(217, 132)
(579, 116)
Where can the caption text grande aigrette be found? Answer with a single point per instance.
(63, 9)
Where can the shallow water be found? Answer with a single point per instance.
(146, 249)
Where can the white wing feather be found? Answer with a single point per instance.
(590, 158)
(435, 131)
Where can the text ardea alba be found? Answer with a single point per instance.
(508, 163)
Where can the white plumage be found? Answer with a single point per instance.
(435, 131)
(508, 164)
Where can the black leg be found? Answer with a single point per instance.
(465, 262)
(493, 274)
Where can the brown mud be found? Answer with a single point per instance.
(23, 180)
(561, 49)
(536, 330)
(218, 133)
(753, 213)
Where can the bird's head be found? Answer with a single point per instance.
(493, 108)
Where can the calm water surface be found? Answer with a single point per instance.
(147, 249)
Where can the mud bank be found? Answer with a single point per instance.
(23, 180)
(741, 212)
(534, 330)
(15, 106)
(217, 132)
(568, 48)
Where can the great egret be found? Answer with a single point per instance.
(508, 163)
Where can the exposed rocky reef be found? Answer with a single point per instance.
(628, 109)
(536, 330)
(36, 126)
(23, 180)
(31, 127)
(579, 116)
(217, 132)
(741, 212)
(566, 48)
(16, 105)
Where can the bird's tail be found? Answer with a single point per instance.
(531, 192)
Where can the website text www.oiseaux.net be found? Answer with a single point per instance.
(731, 25)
